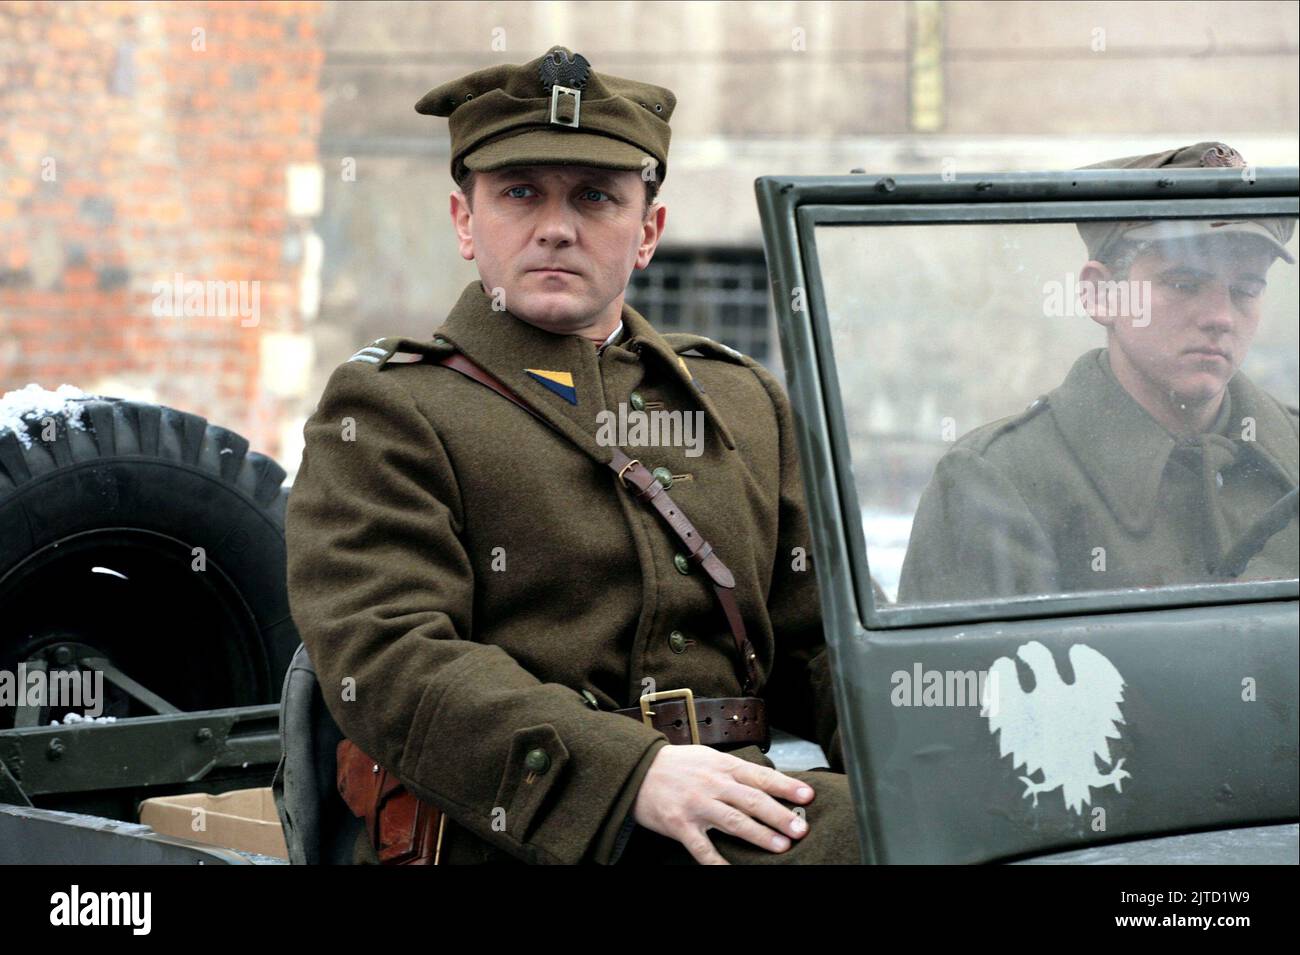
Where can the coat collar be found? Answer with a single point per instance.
(1124, 451)
(558, 375)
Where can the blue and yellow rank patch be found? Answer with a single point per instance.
(560, 382)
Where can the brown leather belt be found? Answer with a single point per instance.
(724, 722)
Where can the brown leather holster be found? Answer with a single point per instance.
(404, 829)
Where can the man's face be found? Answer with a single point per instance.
(561, 241)
(1204, 302)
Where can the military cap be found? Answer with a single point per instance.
(1100, 237)
(553, 110)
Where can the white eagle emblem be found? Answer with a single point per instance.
(1059, 728)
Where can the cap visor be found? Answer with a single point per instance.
(1170, 229)
(551, 147)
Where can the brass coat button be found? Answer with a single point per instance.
(537, 761)
(663, 476)
(637, 401)
(682, 563)
(677, 640)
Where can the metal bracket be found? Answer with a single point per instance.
(141, 751)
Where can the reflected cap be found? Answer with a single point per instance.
(1100, 237)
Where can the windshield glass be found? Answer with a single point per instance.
(1053, 408)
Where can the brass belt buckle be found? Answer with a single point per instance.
(647, 715)
(623, 470)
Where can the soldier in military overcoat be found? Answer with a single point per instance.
(504, 620)
(1157, 461)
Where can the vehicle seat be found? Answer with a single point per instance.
(319, 829)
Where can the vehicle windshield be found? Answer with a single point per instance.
(1053, 408)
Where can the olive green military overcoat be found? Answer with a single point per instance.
(1086, 491)
(461, 573)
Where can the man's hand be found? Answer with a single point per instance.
(690, 789)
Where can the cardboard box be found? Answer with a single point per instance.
(243, 819)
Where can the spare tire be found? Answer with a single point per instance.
(147, 537)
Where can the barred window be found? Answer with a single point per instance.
(720, 293)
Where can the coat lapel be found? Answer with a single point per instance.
(642, 337)
(1117, 444)
(1274, 433)
(556, 375)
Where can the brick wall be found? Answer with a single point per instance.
(143, 141)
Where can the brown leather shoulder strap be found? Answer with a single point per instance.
(470, 369)
(650, 492)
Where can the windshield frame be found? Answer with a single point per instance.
(792, 208)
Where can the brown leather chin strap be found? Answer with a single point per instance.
(649, 491)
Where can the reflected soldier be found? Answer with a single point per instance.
(1156, 461)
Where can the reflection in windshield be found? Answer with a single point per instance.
(1145, 444)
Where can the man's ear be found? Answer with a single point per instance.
(461, 220)
(1092, 293)
(652, 230)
